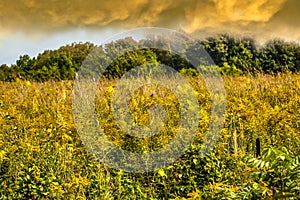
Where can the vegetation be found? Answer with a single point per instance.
(42, 156)
(232, 55)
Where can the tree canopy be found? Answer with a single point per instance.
(231, 54)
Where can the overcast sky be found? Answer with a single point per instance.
(31, 26)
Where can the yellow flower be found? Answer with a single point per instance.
(110, 89)
(161, 172)
(28, 83)
(2, 155)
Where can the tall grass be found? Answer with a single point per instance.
(42, 156)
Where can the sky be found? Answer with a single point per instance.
(32, 26)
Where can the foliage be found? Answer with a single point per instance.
(279, 56)
(230, 70)
(42, 156)
(279, 170)
(233, 55)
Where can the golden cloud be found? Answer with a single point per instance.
(190, 15)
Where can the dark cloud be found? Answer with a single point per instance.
(254, 17)
(289, 15)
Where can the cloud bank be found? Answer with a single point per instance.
(258, 18)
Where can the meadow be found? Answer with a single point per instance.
(43, 157)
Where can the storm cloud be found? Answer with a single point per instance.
(277, 18)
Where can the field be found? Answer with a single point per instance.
(42, 156)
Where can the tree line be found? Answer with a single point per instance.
(232, 55)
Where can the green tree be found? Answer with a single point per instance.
(26, 64)
(4, 72)
(279, 56)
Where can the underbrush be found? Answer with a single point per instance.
(42, 156)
